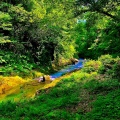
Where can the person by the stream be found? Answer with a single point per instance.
(43, 80)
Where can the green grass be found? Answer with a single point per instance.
(72, 99)
(106, 107)
(81, 96)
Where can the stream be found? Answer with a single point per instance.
(68, 69)
(27, 90)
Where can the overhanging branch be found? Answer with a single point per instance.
(97, 10)
(108, 14)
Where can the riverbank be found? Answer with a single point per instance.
(88, 94)
(15, 88)
(79, 96)
(25, 89)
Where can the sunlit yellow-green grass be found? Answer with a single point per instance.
(21, 91)
(75, 96)
(17, 89)
(92, 93)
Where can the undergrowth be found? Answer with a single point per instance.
(91, 94)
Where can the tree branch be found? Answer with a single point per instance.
(108, 14)
(97, 10)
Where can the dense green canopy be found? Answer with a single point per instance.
(39, 31)
(38, 37)
(100, 34)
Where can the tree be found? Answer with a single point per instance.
(102, 20)
(105, 7)
(39, 30)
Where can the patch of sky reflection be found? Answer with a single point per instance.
(81, 21)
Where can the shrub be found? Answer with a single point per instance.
(110, 66)
(107, 62)
(91, 66)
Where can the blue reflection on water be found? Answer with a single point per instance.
(68, 69)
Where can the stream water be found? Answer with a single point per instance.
(68, 69)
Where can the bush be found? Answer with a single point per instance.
(110, 66)
(11, 64)
(91, 66)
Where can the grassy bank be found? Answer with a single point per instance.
(20, 86)
(17, 88)
(89, 94)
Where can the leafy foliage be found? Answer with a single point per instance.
(100, 33)
(110, 66)
(33, 33)
(92, 66)
(35, 30)
(80, 96)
